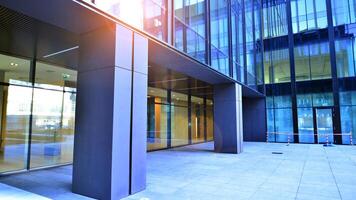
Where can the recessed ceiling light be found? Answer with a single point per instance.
(65, 76)
(14, 64)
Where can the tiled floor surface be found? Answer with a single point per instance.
(308, 172)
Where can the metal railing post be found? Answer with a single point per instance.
(327, 140)
(288, 140)
(351, 142)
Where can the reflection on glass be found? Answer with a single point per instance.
(197, 119)
(270, 125)
(302, 67)
(348, 124)
(344, 11)
(283, 124)
(237, 39)
(305, 125)
(324, 124)
(253, 41)
(210, 120)
(179, 117)
(130, 12)
(55, 78)
(323, 99)
(312, 62)
(157, 119)
(345, 57)
(219, 35)
(275, 19)
(277, 67)
(320, 61)
(14, 70)
(304, 100)
(308, 15)
(155, 18)
(53, 115)
(52, 127)
(279, 119)
(284, 101)
(15, 110)
(189, 20)
(348, 116)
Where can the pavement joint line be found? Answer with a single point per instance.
(301, 176)
(332, 172)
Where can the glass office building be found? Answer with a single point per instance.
(38, 98)
(309, 63)
(224, 34)
(294, 61)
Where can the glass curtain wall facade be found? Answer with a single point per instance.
(309, 70)
(226, 35)
(37, 114)
(176, 119)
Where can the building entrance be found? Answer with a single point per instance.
(323, 124)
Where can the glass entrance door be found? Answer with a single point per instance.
(324, 125)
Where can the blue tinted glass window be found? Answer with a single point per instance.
(219, 35)
(305, 125)
(190, 27)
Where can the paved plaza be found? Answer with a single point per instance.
(263, 171)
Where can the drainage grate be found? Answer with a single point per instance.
(277, 153)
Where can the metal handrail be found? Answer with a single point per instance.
(289, 134)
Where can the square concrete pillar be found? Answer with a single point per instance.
(228, 131)
(111, 111)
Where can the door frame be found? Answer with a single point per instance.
(332, 108)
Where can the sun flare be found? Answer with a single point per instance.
(129, 11)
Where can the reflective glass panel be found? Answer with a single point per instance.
(157, 119)
(210, 120)
(155, 18)
(348, 116)
(53, 113)
(277, 66)
(308, 15)
(237, 39)
(283, 124)
(14, 70)
(344, 11)
(15, 110)
(305, 125)
(197, 119)
(219, 35)
(324, 123)
(179, 117)
(345, 57)
(348, 124)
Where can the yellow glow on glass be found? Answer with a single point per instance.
(131, 12)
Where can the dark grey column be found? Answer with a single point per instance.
(139, 114)
(335, 81)
(254, 123)
(109, 161)
(228, 137)
(292, 71)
